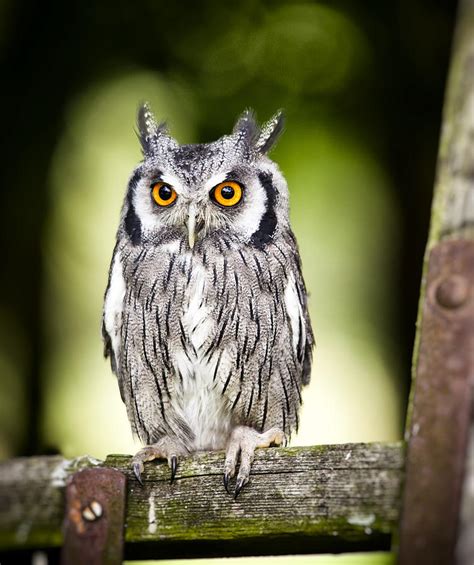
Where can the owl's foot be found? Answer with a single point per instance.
(165, 448)
(245, 440)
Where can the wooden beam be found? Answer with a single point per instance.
(299, 500)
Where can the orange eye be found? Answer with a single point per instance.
(227, 193)
(163, 194)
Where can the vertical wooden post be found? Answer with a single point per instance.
(441, 411)
(94, 519)
(440, 404)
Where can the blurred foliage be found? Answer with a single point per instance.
(362, 88)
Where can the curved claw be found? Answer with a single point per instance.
(226, 482)
(239, 485)
(174, 466)
(137, 469)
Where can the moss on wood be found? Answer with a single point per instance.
(344, 496)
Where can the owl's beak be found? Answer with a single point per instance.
(191, 225)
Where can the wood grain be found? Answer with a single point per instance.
(299, 500)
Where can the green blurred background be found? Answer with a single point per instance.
(362, 84)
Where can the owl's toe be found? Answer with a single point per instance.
(243, 442)
(165, 448)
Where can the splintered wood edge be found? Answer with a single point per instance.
(306, 499)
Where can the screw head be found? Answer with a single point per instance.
(452, 292)
(96, 507)
(92, 512)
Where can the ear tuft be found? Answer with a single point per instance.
(246, 127)
(270, 132)
(148, 129)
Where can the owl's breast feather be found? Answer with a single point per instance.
(199, 399)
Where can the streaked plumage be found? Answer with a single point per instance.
(209, 337)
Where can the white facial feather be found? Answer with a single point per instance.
(173, 181)
(145, 208)
(214, 180)
(247, 223)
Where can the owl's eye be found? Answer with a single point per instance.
(227, 193)
(163, 194)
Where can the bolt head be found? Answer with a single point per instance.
(452, 292)
(96, 508)
(92, 512)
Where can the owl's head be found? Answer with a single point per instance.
(190, 192)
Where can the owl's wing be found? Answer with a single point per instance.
(297, 306)
(263, 338)
(136, 327)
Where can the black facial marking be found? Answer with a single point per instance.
(133, 226)
(268, 222)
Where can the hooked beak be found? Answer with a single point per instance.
(191, 225)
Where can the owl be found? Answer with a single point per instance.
(205, 315)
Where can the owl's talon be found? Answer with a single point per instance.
(244, 440)
(174, 467)
(137, 469)
(239, 486)
(165, 448)
(226, 482)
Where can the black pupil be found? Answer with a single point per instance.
(227, 192)
(165, 192)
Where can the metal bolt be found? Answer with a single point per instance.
(452, 292)
(92, 512)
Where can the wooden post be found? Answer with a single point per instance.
(94, 518)
(440, 406)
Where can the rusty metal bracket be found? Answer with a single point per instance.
(441, 409)
(94, 518)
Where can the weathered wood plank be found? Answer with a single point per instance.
(311, 499)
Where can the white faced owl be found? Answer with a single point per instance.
(205, 318)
